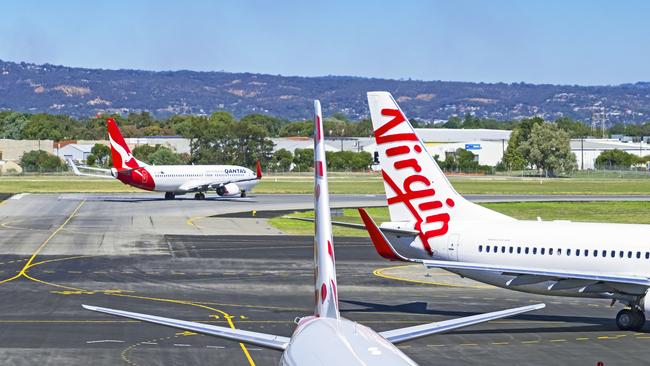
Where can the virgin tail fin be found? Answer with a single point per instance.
(325, 286)
(416, 187)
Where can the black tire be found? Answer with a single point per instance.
(639, 318)
(626, 319)
(169, 195)
(243, 194)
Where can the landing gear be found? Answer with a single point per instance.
(243, 194)
(170, 195)
(199, 196)
(630, 319)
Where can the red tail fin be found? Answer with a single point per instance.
(122, 157)
(259, 170)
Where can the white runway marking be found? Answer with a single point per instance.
(105, 341)
(18, 196)
(182, 345)
(218, 347)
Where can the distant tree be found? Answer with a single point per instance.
(301, 128)
(41, 161)
(143, 152)
(515, 157)
(12, 125)
(101, 153)
(616, 159)
(617, 129)
(466, 160)
(91, 160)
(304, 159)
(282, 160)
(272, 125)
(549, 149)
(574, 128)
(157, 155)
(164, 156)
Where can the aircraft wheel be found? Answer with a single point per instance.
(639, 320)
(626, 319)
(199, 196)
(169, 195)
(243, 194)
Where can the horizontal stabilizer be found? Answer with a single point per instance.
(417, 331)
(76, 171)
(352, 225)
(258, 339)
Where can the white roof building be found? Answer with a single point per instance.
(587, 150)
(76, 152)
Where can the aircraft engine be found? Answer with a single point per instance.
(230, 189)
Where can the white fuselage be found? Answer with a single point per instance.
(608, 249)
(174, 178)
(328, 341)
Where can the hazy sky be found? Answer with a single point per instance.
(549, 41)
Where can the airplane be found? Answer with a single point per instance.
(225, 180)
(326, 338)
(430, 223)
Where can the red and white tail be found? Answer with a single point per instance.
(416, 189)
(120, 152)
(325, 269)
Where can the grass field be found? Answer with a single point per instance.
(353, 183)
(619, 212)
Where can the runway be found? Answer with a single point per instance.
(171, 258)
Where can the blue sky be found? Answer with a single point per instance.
(561, 42)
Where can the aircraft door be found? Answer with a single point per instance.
(452, 247)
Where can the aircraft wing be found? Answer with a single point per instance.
(76, 171)
(417, 331)
(259, 339)
(562, 280)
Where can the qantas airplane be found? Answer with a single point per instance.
(225, 180)
(326, 338)
(434, 225)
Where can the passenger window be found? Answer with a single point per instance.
(480, 248)
(629, 254)
(496, 249)
(503, 249)
(638, 255)
(487, 248)
(647, 255)
(550, 251)
(526, 250)
(541, 251)
(559, 251)
(568, 252)
(613, 253)
(577, 252)
(604, 253)
(621, 254)
(534, 250)
(595, 253)
(510, 250)
(518, 250)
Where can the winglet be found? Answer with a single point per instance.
(259, 170)
(382, 245)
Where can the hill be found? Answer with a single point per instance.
(82, 92)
